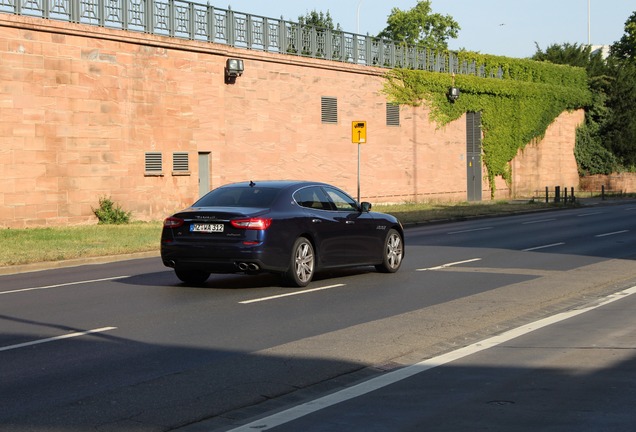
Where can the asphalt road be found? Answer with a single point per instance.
(125, 346)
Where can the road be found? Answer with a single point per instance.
(125, 346)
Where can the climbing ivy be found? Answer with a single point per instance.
(518, 101)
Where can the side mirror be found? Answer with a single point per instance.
(365, 206)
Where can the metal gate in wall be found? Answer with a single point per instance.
(473, 156)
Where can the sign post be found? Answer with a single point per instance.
(359, 136)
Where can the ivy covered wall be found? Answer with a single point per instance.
(518, 103)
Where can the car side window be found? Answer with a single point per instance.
(341, 200)
(312, 197)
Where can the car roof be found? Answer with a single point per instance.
(277, 184)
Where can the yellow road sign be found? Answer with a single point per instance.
(359, 132)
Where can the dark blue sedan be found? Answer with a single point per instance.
(293, 228)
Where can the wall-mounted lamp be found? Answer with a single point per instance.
(233, 69)
(453, 94)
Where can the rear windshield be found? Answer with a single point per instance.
(238, 196)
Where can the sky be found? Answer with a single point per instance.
(500, 27)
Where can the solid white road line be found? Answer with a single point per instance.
(408, 371)
(56, 338)
(443, 266)
(262, 299)
(62, 285)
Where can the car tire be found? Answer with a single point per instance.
(196, 277)
(392, 253)
(302, 263)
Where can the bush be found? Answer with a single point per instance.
(109, 213)
(591, 157)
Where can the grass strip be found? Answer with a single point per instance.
(30, 245)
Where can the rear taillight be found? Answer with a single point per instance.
(172, 222)
(252, 224)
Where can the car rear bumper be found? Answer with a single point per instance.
(234, 260)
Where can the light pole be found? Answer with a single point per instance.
(358, 17)
(589, 27)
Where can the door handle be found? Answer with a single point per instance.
(316, 220)
(349, 222)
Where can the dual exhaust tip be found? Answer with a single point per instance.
(248, 267)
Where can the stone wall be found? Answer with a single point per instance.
(549, 162)
(81, 105)
(615, 183)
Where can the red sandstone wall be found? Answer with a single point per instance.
(549, 162)
(614, 183)
(80, 105)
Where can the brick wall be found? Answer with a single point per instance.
(80, 105)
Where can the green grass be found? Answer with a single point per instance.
(31, 245)
(428, 212)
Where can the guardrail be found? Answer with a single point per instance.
(194, 21)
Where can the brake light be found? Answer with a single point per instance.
(172, 222)
(252, 223)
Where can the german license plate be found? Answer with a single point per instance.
(207, 228)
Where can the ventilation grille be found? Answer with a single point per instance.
(153, 163)
(329, 109)
(392, 114)
(180, 162)
(473, 133)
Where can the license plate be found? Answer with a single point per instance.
(207, 228)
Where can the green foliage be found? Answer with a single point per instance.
(420, 27)
(320, 20)
(625, 48)
(620, 128)
(568, 54)
(516, 109)
(110, 213)
(591, 156)
(317, 23)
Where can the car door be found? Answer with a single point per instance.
(321, 223)
(357, 235)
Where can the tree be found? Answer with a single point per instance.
(619, 130)
(419, 26)
(625, 49)
(320, 20)
(318, 24)
(573, 55)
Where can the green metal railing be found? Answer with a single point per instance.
(194, 21)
